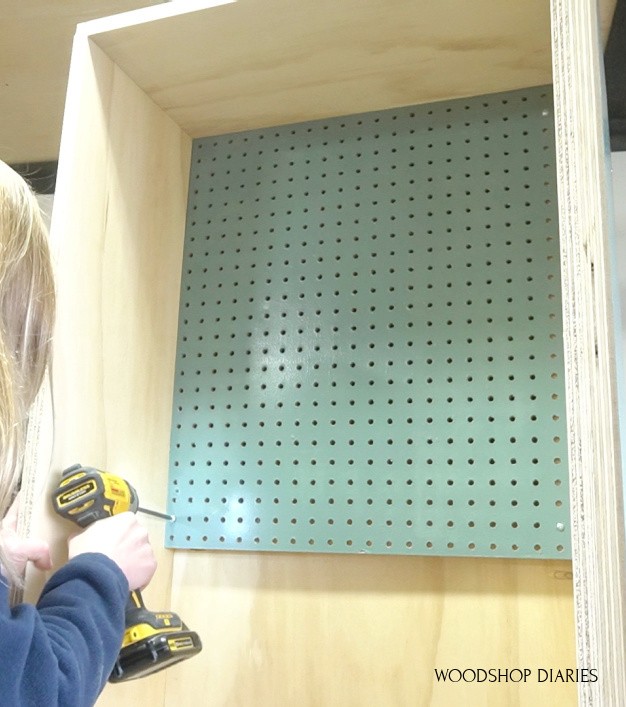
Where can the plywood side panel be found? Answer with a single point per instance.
(118, 233)
(588, 284)
(326, 631)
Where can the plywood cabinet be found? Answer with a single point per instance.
(285, 629)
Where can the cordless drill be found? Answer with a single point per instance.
(152, 640)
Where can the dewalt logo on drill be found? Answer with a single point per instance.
(76, 493)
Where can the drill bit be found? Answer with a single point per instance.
(156, 514)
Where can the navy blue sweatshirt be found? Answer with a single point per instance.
(60, 652)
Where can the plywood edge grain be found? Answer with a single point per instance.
(594, 444)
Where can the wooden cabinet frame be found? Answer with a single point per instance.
(142, 85)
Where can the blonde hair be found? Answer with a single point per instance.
(27, 304)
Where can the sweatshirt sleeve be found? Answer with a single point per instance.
(60, 653)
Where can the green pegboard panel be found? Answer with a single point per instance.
(370, 350)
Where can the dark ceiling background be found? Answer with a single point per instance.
(615, 69)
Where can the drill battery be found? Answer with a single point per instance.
(152, 641)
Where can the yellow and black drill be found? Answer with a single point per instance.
(152, 640)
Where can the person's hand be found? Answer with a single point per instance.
(124, 540)
(22, 550)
